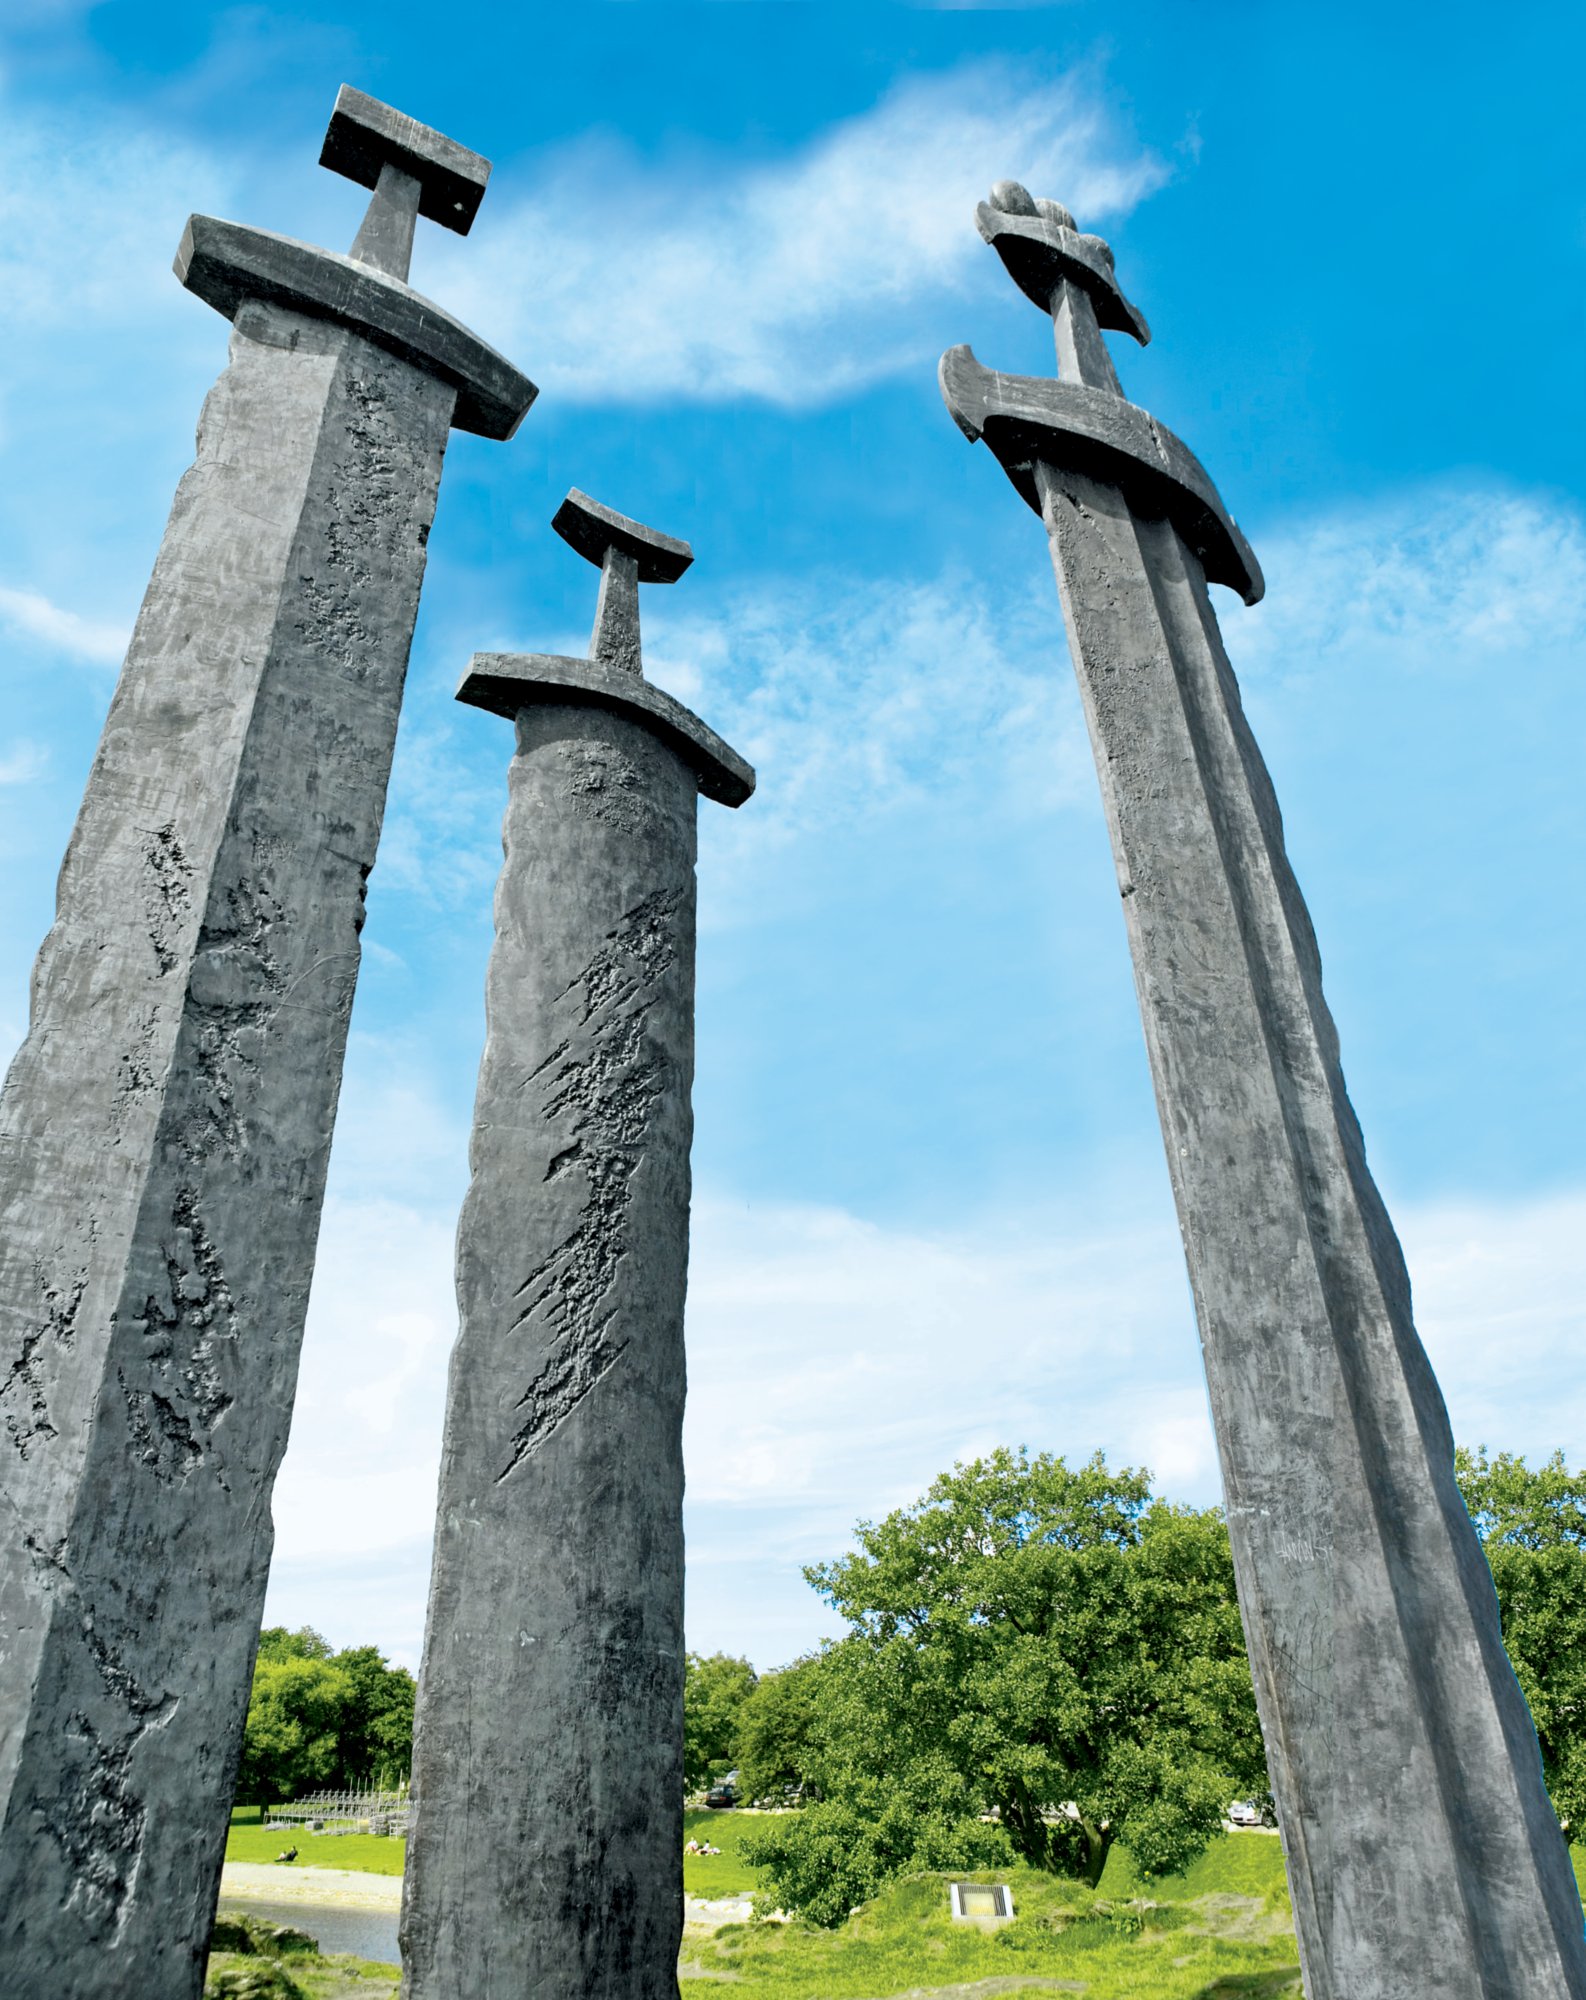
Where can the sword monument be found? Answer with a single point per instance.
(547, 1849)
(165, 1127)
(1422, 1851)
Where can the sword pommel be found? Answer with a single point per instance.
(413, 169)
(1040, 247)
(594, 530)
(627, 554)
(365, 136)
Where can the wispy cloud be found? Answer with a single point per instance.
(797, 278)
(23, 762)
(94, 640)
(1444, 581)
(836, 1365)
(856, 695)
(91, 212)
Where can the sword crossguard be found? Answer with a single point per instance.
(1083, 420)
(612, 677)
(413, 169)
(627, 554)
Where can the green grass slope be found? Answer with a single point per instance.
(1213, 1944)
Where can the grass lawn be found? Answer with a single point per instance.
(724, 1874)
(368, 1853)
(1222, 1932)
(312, 1978)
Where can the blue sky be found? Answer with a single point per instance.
(730, 242)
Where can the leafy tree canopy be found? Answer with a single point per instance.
(1532, 1523)
(1045, 1642)
(778, 1729)
(319, 1719)
(1513, 1506)
(277, 1643)
(715, 1689)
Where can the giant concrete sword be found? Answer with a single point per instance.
(165, 1127)
(1423, 1855)
(547, 1849)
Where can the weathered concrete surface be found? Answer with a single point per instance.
(228, 264)
(1422, 1852)
(546, 1853)
(163, 1141)
(165, 1132)
(546, 1856)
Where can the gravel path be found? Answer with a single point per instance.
(333, 1888)
(348, 1889)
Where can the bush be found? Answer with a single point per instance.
(263, 1979)
(827, 1860)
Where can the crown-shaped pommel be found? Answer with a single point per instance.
(627, 554)
(1040, 247)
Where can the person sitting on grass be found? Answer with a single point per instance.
(289, 1854)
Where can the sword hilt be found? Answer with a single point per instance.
(627, 554)
(413, 169)
(1067, 274)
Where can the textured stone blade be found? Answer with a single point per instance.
(546, 1856)
(163, 1142)
(1423, 1854)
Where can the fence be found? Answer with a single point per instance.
(346, 1812)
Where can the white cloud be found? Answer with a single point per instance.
(618, 278)
(1500, 1294)
(23, 762)
(1444, 580)
(854, 695)
(835, 1365)
(831, 1357)
(360, 1476)
(800, 277)
(91, 212)
(98, 641)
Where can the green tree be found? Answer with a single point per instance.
(1532, 1524)
(292, 1741)
(376, 1740)
(778, 1730)
(1048, 1644)
(715, 1688)
(277, 1643)
(318, 1718)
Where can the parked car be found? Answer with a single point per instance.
(724, 1794)
(1243, 1813)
